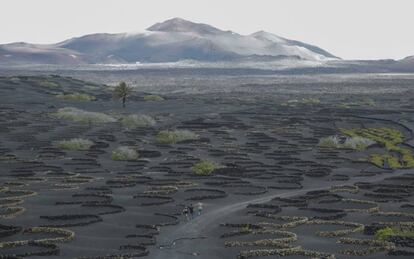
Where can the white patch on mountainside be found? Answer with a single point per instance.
(266, 36)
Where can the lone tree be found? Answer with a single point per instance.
(121, 92)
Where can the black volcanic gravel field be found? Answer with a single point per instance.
(274, 192)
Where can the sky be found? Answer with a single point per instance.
(350, 29)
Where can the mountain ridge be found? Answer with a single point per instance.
(181, 25)
(169, 41)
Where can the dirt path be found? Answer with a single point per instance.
(198, 227)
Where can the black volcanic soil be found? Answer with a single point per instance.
(276, 193)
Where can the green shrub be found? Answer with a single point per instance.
(384, 233)
(204, 168)
(408, 159)
(393, 162)
(137, 120)
(76, 97)
(49, 84)
(81, 116)
(329, 142)
(166, 137)
(377, 160)
(368, 102)
(75, 144)
(153, 98)
(344, 106)
(386, 160)
(302, 102)
(124, 154)
(391, 139)
(363, 102)
(172, 137)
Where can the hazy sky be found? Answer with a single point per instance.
(351, 29)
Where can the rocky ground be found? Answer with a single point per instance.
(275, 190)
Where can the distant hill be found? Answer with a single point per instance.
(168, 41)
(406, 64)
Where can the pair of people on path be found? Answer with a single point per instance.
(188, 211)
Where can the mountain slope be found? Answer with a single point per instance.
(169, 41)
(23, 53)
(406, 64)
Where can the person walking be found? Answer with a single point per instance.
(199, 208)
(185, 212)
(191, 210)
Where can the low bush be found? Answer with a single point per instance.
(76, 144)
(204, 168)
(391, 139)
(329, 142)
(124, 154)
(385, 233)
(387, 161)
(76, 97)
(302, 102)
(358, 103)
(81, 116)
(388, 137)
(137, 120)
(49, 84)
(172, 137)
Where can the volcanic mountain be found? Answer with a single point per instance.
(170, 41)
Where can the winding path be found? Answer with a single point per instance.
(198, 227)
